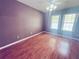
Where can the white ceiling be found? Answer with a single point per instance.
(42, 4)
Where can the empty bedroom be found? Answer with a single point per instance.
(39, 29)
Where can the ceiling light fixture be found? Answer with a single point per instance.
(51, 7)
(47, 8)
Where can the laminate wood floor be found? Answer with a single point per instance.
(43, 46)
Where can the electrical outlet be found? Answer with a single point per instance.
(18, 37)
(31, 33)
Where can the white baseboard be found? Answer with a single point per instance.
(62, 36)
(14, 43)
(11, 44)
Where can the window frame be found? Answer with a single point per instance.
(64, 22)
(59, 16)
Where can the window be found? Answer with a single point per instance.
(69, 22)
(54, 22)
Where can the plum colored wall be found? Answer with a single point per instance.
(18, 21)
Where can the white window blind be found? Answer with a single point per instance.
(69, 22)
(54, 22)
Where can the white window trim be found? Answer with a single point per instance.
(58, 22)
(64, 20)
